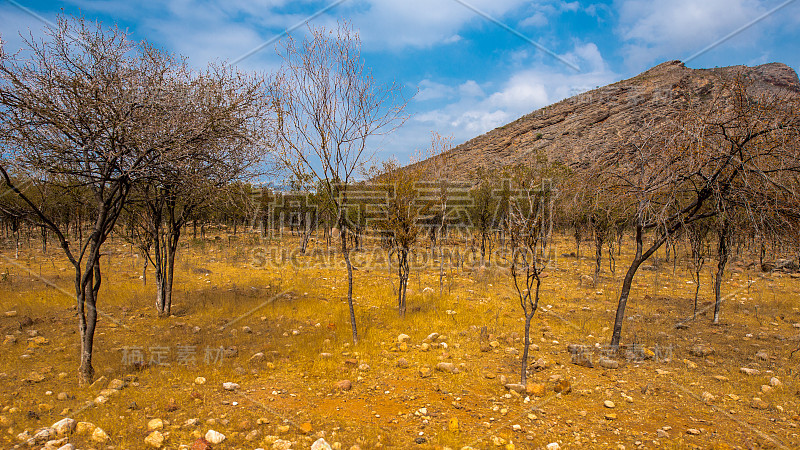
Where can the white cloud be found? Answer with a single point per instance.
(470, 89)
(675, 29)
(476, 109)
(536, 20)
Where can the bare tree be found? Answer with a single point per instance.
(528, 231)
(736, 149)
(329, 107)
(401, 214)
(220, 119)
(697, 235)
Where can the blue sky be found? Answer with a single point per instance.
(469, 73)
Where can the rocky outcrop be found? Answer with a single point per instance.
(578, 129)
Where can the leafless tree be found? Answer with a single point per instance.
(329, 106)
(220, 119)
(529, 237)
(84, 109)
(735, 149)
(697, 235)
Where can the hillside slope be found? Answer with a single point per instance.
(578, 129)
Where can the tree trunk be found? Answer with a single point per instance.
(346, 255)
(87, 286)
(626, 289)
(524, 374)
(722, 254)
(402, 272)
(598, 244)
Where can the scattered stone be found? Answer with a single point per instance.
(425, 372)
(343, 385)
(193, 422)
(610, 416)
(516, 387)
(607, 363)
(252, 435)
(403, 346)
(431, 337)
(562, 387)
(609, 404)
(214, 437)
(64, 426)
(424, 347)
(228, 386)
(67, 447)
(201, 444)
(305, 427)
(10, 339)
(43, 435)
(363, 367)
(690, 364)
(516, 427)
(98, 382)
(762, 355)
(757, 403)
(540, 364)
(536, 389)
(116, 384)
(774, 382)
(447, 367)
(403, 363)
(662, 372)
(154, 439)
(199, 381)
(452, 425)
(155, 424)
(403, 338)
(553, 446)
(701, 351)
(257, 358)
(11, 314)
(708, 397)
(100, 436)
(512, 351)
(721, 378)
(281, 444)
(84, 428)
(749, 371)
(765, 389)
(693, 431)
(35, 377)
(321, 444)
(662, 434)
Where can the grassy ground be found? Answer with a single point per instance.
(231, 302)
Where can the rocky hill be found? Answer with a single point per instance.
(577, 129)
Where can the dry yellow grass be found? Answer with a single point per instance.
(304, 335)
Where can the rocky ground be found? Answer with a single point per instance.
(262, 357)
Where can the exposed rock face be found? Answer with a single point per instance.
(576, 130)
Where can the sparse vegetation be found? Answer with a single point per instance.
(116, 149)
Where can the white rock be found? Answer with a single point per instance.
(320, 444)
(154, 439)
(65, 426)
(553, 446)
(229, 386)
(155, 424)
(214, 437)
(282, 444)
(199, 380)
(100, 436)
(774, 382)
